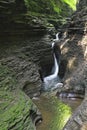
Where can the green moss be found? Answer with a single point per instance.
(71, 3)
(14, 111)
(51, 6)
(54, 112)
(7, 78)
(14, 104)
(62, 112)
(48, 11)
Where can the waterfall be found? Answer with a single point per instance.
(52, 80)
(57, 37)
(55, 67)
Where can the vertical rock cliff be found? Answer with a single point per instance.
(75, 51)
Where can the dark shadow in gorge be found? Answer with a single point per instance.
(62, 68)
(36, 117)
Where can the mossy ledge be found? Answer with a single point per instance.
(15, 106)
(14, 111)
(21, 17)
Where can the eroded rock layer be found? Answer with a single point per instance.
(75, 52)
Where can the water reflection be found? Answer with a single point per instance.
(54, 112)
(73, 102)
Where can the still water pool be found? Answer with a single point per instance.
(55, 112)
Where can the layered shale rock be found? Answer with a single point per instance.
(29, 17)
(75, 52)
(15, 105)
(15, 111)
(28, 59)
(15, 20)
(23, 60)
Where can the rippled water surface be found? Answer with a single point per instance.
(55, 112)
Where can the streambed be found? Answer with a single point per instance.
(55, 112)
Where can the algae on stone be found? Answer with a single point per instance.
(15, 110)
(15, 106)
(7, 78)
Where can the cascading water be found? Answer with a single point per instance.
(57, 37)
(52, 81)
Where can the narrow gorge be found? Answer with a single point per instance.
(43, 65)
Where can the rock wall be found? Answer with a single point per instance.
(15, 105)
(26, 58)
(21, 60)
(15, 111)
(19, 17)
(75, 52)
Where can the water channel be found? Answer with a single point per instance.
(55, 111)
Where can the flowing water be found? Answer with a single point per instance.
(51, 81)
(55, 113)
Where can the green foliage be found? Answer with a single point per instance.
(71, 3)
(49, 7)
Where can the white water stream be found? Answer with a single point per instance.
(52, 81)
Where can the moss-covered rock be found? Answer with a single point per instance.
(76, 73)
(34, 15)
(51, 7)
(15, 105)
(14, 111)
(7, 78)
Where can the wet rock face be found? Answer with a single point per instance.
(74, 51)
(16, 110)
(26, 58)
(14, 19)
(20, 62)
(76, 73)
(15, 105)
(78, 20)
(70, 95)
(36, 117)
(12, 6)
(79, 118)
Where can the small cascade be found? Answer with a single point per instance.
(55, 68)
(52, 81)
(57, 37)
